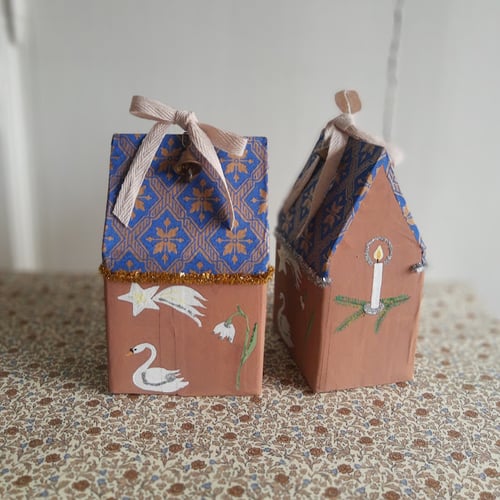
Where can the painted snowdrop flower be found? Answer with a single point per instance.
(225, 330)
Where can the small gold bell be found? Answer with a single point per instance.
(188, 166)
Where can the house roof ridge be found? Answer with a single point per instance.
(362, 160)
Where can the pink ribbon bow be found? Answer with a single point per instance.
(204, 138)
(337, 133)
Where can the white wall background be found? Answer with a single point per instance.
(258, 68)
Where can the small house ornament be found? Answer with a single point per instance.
(185, 258)
(349, 258)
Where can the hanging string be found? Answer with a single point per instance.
(348, 102)
(392, 70)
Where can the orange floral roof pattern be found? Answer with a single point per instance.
(181, 226)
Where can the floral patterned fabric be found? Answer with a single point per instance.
(63, 436)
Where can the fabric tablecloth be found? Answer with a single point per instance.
(62, 435)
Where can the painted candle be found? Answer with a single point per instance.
(378, 269)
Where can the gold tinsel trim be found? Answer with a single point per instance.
(188, 278)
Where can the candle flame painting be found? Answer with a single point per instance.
(378, 255)
(376, 306)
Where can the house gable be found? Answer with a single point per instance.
(391, 335)
(357, 170)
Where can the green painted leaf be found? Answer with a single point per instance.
(309, 326)
(353, 317)
(251, 345)
(380, 319)
(350, 301)
(389, 303)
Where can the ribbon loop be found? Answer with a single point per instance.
(336, 135)
(204, 138)
(184, 119)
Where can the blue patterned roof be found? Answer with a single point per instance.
(358, 168)
(181, 227)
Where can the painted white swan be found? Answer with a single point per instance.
(283, 324)
(285, 260)
(155, 379)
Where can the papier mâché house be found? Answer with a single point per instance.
(349, 260)
(185, 258)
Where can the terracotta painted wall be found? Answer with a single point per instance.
(331, 357)
(357, 355)
(208, 362)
